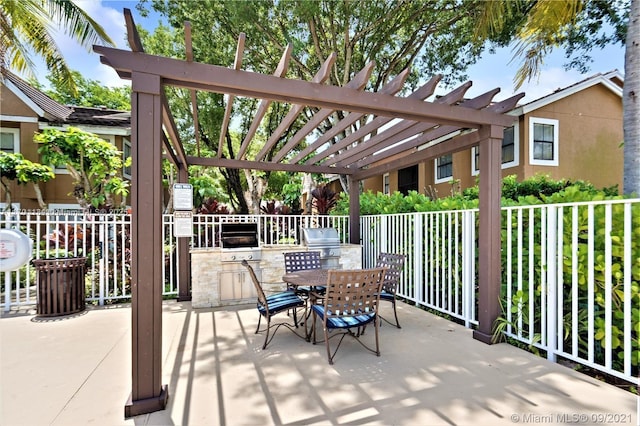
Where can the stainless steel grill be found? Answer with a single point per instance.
(327, 242)
(239, 241)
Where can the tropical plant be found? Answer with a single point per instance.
(212, 206)
(94, 164)
(13, 166)
(28, 27)
(324, 199)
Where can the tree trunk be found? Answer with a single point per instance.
(38, 192)
(7, 195)
(631, 102)
(256, 191)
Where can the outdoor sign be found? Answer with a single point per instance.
(15, 249)
(182, 196)
(182, 223)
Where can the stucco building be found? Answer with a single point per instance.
(574, 133)
(24, 111)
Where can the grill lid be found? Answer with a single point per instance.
(239, 235)
(321, 237)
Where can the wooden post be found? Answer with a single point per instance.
(489, 275)
(147, 259)
(354, 211)
(184, 264)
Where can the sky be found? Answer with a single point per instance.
(492, 71)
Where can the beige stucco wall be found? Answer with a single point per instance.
(590, 134)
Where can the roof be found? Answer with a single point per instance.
(612, 80)
(42, 104)
(52, 111)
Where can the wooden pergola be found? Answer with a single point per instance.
(401, 132)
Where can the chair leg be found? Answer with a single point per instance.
(266, 335)
(258, 327)
(326, 342)
(395, 313)
(376, 326)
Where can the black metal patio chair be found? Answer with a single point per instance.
(350, 302)
(395, 265)
(269, 306)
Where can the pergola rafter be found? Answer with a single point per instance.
(379, 132)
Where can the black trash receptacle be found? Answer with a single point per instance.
(61, 288)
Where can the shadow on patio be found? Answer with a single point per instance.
(76, 370)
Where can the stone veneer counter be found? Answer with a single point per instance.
(208, 274)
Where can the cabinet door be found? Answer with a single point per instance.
(237, 285)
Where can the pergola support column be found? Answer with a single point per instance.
(147, 394)
(489, 247)
(184, 263)
(354, 211)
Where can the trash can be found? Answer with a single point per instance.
(61, 288)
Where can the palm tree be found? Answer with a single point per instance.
(27, 26)
(545, 26)
(631, 102)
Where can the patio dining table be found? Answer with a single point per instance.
(311, 277)
(308, 277)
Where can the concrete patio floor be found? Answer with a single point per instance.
(76, 370)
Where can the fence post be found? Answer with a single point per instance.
(104, 245)
(468, 260)
(552, 283)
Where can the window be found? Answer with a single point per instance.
(9, 140)
(444, 168)
(126, 153)
(408, 179)
(386, 189)
(543, 141)
(510, 150)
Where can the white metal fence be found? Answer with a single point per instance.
(571, 272)
(105, 240)
(571, 275)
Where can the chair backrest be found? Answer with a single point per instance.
(353, 292)
(262, 298)
(395, 265)
(301, 260)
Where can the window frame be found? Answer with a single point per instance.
(16, 137)
(437, 166)
(556, 141)
(386, 184)
(126, 171)
(475, 170)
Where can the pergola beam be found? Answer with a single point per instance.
(321, 76)
(214, 78)
(393, 87)
(400, 131)
(237, 63)
(422, 93)
(367, 150)
(358, 83)
(266, 165)
(280, 71)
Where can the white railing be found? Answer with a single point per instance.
(571, 275)
(571, 272)
(105, 240)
